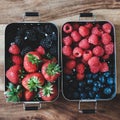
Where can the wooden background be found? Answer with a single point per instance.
(58, 11)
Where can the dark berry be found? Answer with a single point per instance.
(95, 89)
(25, 50)
(54, 37)
(82, 95)
(19, 41)
(107, 74)
(53, 50)
(107, 91)
(89, 81)
(94, 76)
(110, 80)
(88, 76)
(97, 96)
(102, 79)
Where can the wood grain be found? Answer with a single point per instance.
(12, 10)
(60, 110)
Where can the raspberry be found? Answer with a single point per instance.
(93, 39)
(67, 71)
(76, 36)
(109, 48)
(80, 68)
(104, 67)
(87, 55)
(94, 61)
(98, 51)
(41, 50)
(67, 28)
(14, 49)
(105, 57)
(71, 64)
(94, 69)
(67, 50)
(89, 25)
(75, 26)
(80, 76)
(107, 27)
(106, 38)
(72, 57)
(96, 31)
(67, 40)
(84, 31)
(77, 52)
(84, 44)
(17, 59)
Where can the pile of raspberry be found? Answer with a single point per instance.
(86, 46)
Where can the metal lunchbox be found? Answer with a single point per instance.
(31, 62)
(88, 61)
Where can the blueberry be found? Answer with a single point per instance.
(110, 80)
(102, 79)
(81, 84)
(107, 91)
(89, 81)
(91, 94)
(88, 76)
(97, 96)
(82, 95)
(94, 76)
(67, 77)
(107, 74)
(76, 95)
(95, 89)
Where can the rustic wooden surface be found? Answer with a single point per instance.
(58, 11)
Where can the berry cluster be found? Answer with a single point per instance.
(87, 47)
(34, 70)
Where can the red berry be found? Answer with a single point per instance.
(67, 50)
(84, 44)
(105, 57)
(87, 55)
(80, 68)
(17, 59)
(75, 36)
(94, 61)
(67, 28)
(109, 48)
(67, 71)
(89, 25)
(72, 57)
(14, 49)
(104, 67)
(67, 40)
(80, 76)
(75, 26)
(84, 31)
(71, 64)
(98, 51)
(77, 52)
(93, 39)
(106, 38)
(107, 27)
(96, 31)
(41, 50)
(94, 69)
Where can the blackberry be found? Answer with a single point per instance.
(54, 37)
(19, 41)
(25, 50)
(53, 50)
(48, 28)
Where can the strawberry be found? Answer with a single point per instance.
(109, 48)
(98, 51)
(70, 64)
(50, 71)
(67, 50)
(14, 73)
(67, 40)
(80, 68)
(41, 50)
(28, 95)
(77, 52)
(48, 92)
(33, 81)
(16, 59)
(87, 55)
(13, 93)
(106, 38)
(93, 39)
(84, 31)
(84, 44)
(31, 61)
(76, 36)
(14, 49)
(107, 27)
(104, 67)
(80, 76)
(67, 28)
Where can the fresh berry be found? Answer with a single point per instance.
(89, 25)
(41, 50)
(67, 50)
(17, 59)
(107, 91)
(93, 39)
(31, 61)
(104, 67)
(107, 27)
(67, 40)
(84, 44)
(84, 31)
(89, 81)
(109, 48)
(96, 31)
(70, 64)
(110, 80)
(67, 28)
(80, 68)
(54, 50)
(76, 36)
(94, 61)
(25, 50)
(75, 26)
(77, 52)
(106, 56)
(87, 55)
(19, 41)
(67, 71)
(72, 57)
(80, 76)
(28, 95)
(94, 69)
(14, 49)
(98, 51)
(106, 38)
